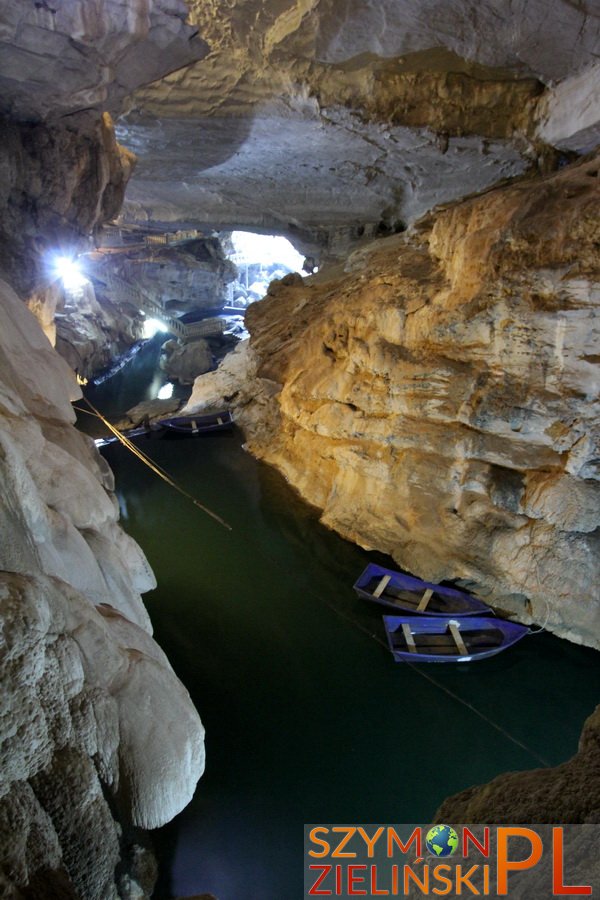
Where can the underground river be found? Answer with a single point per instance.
(308, 719)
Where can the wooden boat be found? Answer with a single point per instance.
(199, 424)
(187, 425)
(129, 433)
(406, 594)
(445, 639)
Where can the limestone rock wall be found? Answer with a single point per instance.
(189, 278)
(60, 57)
(58, 184)
(438, 398)
(93, 328)
(328, 121)
(98, 736)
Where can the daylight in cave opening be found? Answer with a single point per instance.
(266, 248)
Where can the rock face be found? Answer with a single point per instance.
(569, 793)
(190, 278)
(98, 738)
(60, 57)
(94, 329)
(59, 183)
(438, 400)
(331, 121)
(184, 362)
(100, 321)
(64, 68)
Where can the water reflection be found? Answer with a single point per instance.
(307, 717)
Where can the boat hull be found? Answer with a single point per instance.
(439, 639)
(130, 433)
(403, 594)
(184, 425)
(192, 425)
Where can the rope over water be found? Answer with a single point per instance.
(272, 559)
(151, 464)
(434, 681)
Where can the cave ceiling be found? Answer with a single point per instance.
(328, 119)
(325, 120)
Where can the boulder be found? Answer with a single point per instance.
(184, 362)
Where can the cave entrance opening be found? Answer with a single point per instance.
(260, 258)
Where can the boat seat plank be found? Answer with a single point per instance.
(472, 640)
(425, 600)
(408, 599)
(458, 639)
(410, 641)
(382, 586)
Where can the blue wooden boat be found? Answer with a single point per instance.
(192, 425)
(185, 425)
(445, 639)
(406, 594)
(129, 433)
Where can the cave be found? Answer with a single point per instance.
(409, 384)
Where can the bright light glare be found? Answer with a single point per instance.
(166, 391)
(69, 272)
(152, 327)
(266, 249)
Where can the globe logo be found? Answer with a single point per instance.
(441, 840)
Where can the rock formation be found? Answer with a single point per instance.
(94, 329)
(436, 395)
(191, 278)
(184, 362)
(438, 399)
(327, 121)
(92, 710)
(99, 739)
(98, 322)
(60, 57)
(61, 180)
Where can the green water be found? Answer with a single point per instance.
(308, 719)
